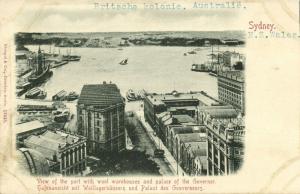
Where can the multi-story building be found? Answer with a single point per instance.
(194, 158)
(100, 118)
(65, 153)
(176, 103)
(173, 130)
(225, 145)
(182, 143)
(231, 89)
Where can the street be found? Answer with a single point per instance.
(143, 142)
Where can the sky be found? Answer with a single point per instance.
(85, 18)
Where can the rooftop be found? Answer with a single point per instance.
(102, 95)
(32, 162)
(28, 107)
(158, 99)
(222, 113)
(191, 137)
(28, 126)
(178, 130)
(49, 142)
(189, 129)
(227, 106)
(234, 75)
(183, 119)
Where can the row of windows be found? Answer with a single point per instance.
(231, 101)
(71, 158)
(228, 83)
(229, 92)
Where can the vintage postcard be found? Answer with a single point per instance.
(128, 96)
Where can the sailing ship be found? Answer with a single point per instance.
(41, 71)
(124, 62)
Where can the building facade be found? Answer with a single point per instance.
(65, 153)
(231, 89)
(100, 118)
(181, 142)
(225, 145)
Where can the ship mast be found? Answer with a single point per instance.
(212, 53)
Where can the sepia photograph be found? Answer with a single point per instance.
(152, 103)
(149, 96)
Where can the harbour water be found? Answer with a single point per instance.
(153, 68)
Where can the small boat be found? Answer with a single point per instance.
(200, 68)
(134, 96)
(22, 88)
(36, 93)
(71, 58)
(58, 64)
(192, 52)
(60, 96)
(72, 96)
(61, 115)
(124, 62)
(130, 95)
(184, 54)
(198, 49)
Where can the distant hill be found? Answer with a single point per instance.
(114, 39)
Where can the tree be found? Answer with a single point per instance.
(127, 162)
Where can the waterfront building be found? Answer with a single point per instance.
(27, 129)
(100, 118)
(35, 110)
(176, 103)
(65, 153)
(231, 89)
(225, 145)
